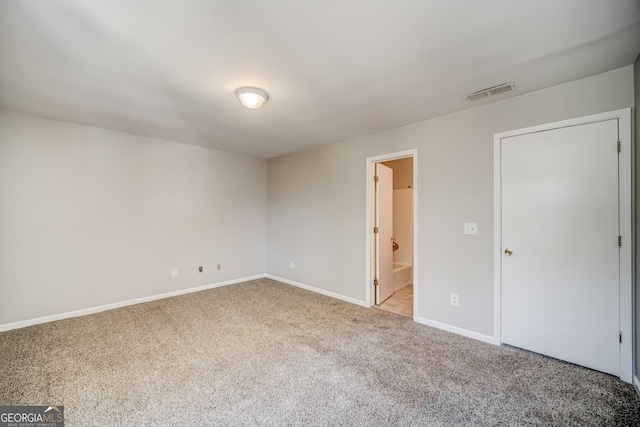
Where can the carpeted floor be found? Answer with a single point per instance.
(265, 353)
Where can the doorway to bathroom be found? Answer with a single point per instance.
(391, 239)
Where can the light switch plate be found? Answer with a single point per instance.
(471, 228)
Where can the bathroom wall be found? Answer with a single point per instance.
(402, 172)
(403, 225)
(402, 208)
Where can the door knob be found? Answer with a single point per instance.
(508, 252)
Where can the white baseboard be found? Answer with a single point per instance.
(401, 286)
(636, 382)
(456, 330)
(98, 309)
(319, 291)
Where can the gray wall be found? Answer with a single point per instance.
(91, 216)
(316, 199)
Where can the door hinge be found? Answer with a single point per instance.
(375, 230)
(375, 282)
(619, 147)
(375, 178)
(619, 241)
(620, 337)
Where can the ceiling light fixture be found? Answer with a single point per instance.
(252, 97)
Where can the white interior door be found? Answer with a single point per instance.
(560, 254)
(384, 224)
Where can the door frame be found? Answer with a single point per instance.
(625, 209)
(370, 241)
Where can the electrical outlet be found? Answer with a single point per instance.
(471, 228)
(174, 272)
(292, 265)
(200, 269)
(454, 299)
(218, 266)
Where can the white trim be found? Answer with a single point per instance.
(636, 382)
(416, 291)
(98, 309)
(626, 251)
(318, 290)
(370, 162)
(497, 240)
(626, 267)
(460, 331)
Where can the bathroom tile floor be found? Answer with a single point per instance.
(401, 302)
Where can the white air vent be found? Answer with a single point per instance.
(491, 91)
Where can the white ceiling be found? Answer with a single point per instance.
(334, 69)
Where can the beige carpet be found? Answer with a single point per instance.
(265, 353)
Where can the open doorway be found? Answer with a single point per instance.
(392, 243)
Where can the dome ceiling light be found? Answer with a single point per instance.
(251, 97)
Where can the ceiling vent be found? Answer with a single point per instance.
(491, 91)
